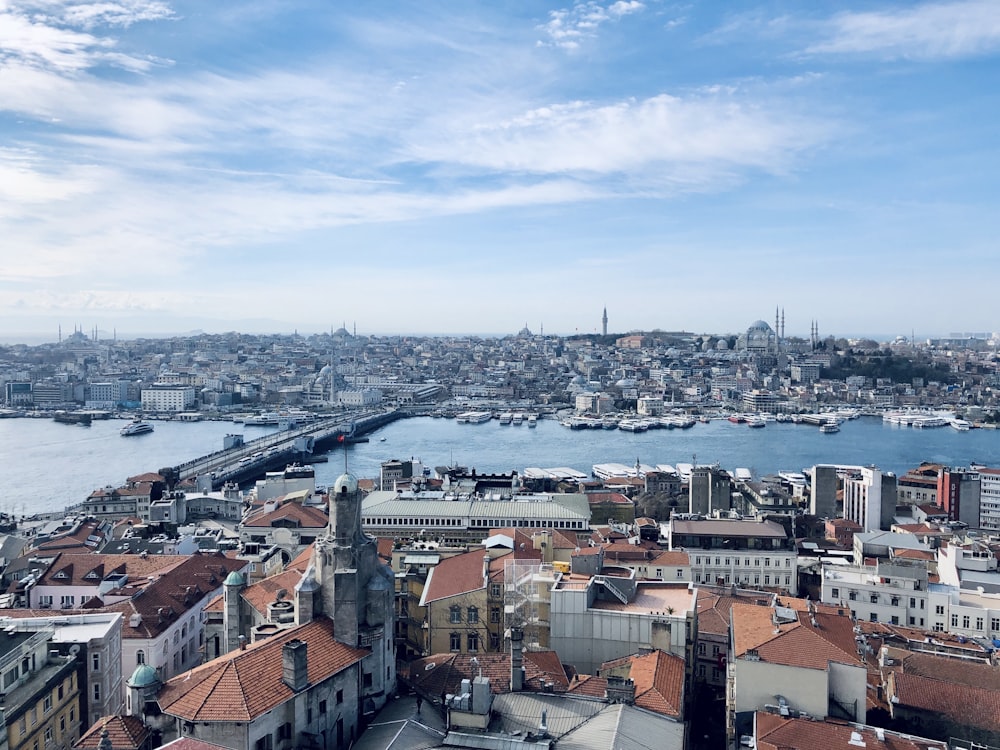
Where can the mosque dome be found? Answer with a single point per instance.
(722, 345)
(345, 484)
(760, 337)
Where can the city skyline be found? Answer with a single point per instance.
(421, 168)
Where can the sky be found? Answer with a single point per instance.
(443, 167)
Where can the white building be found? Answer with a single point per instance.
(869, 497)
(989, 498)
(167, 398)
(890, 592)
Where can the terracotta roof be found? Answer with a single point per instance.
(658, 678)
(125, 733)
(615, 498)
(304, 516)
(149, 476)
(715, 610)
(963, 704)
(589, 685)
(797, 643)
(433, 675)
(244, 684)
(264, 592)
(961, 671)
(72, 568)
(780, 733)
(455, 575)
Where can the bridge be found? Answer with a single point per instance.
(243, 462)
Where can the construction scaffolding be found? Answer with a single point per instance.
(527, 595)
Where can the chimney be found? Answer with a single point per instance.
(516, 660)
(620, 690)
(294, 665)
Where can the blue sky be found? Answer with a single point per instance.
(430, 167)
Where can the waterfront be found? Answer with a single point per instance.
(46, 466)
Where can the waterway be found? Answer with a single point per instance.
(45, 466)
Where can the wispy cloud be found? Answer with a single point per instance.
(47, 34)
(569, 27)
(927, 31)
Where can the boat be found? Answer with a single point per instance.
(962, 425)
(532, 420)
(72, 417)
(829, 427)
(136, 427)
(756, 422)
(517, 419)
(737, 418)
(506, 417)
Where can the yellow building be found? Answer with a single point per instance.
(41, 693)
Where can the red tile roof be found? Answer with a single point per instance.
(302, 516)
(455, 575)
(658, 678)
(962, 704)
(797, 643)
(242, 685)
(780, 733)
(125, 733)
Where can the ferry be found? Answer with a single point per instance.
(136, 427)
(756, 422)
(532, 420)
(474, 417)
(517, 419)
(506, 417)
(829, 427)
(962, 425)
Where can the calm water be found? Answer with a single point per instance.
(45, 466)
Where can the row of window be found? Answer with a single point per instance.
(490, 523)
(747, 561)
(745, 578)
(874, 598)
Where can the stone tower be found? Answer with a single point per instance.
(604, 322)
(348, 583)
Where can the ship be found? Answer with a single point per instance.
(72, 417)
(136, 427)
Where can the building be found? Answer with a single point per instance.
(167, 398)
(287, 523)
(785, 730)
(958, 493)
(41, 692)
(800, 662)
(608, 614)
(748, 554)
(891, 591)
(709, 489)
(823, 491)
(457, 519)
(869, 497)
(989, 498)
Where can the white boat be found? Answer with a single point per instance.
(829, 427)
(506, 417)
(757, 422)
(517, 419)
(962, 425)
(136, 427)
(532, 420)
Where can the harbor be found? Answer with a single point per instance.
(52, 466)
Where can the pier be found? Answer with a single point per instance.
(243, 462)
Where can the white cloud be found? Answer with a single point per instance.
(568, 27)
(46, 41)
(928, 31)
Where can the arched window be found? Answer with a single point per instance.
(140, 657)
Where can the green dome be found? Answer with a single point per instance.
(234, 579)
(143, 676)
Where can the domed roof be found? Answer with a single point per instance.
(234, 579)
(346, 483)
(143, 676)
(759, 325)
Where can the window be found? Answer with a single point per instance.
(48, 735)
(96, 691)
(874, 598)
(472, 614)
(874, 617)
(494, 614)
(939, 609)
(495, 590)
(680, 573)
(264, 743)
(473, 642)
(455, 614)
(852, 595)
(701, 649)
(995, 624)
(954, 621)
(67, 602)
(913, 603)
(140, 657)
(47, 703)
(979, 623)
(340, 696)
(835, 593)
(965, 621)
(322, 707)
(45, 602)
(455, 642)
(894, 601)
(285, 731)
(95, 662)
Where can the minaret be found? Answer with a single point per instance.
(604, 322)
